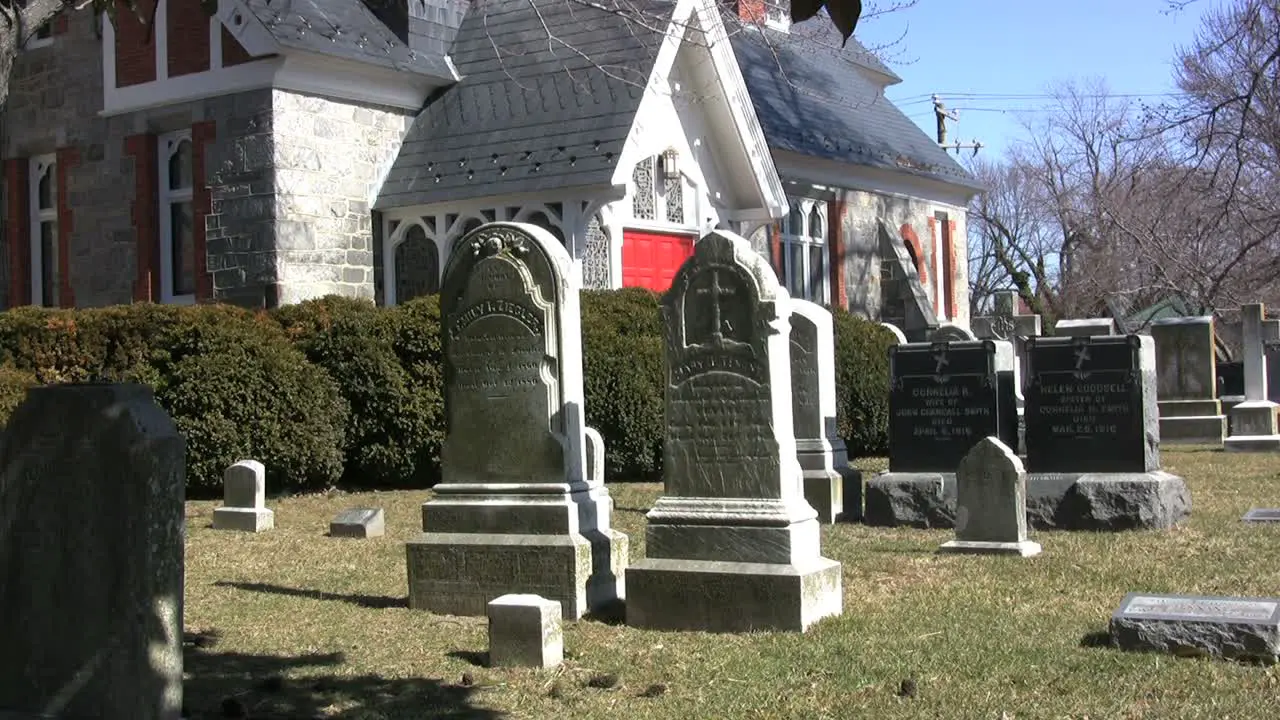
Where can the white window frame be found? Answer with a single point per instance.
(660, 223)
(942, 283)
(40, 166)
(166, 146)
(802, 237)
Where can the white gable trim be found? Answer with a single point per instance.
(850, 176)
(702, 15)
(245, 27)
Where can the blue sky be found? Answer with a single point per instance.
(1019, 47)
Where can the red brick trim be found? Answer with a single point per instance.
(835, 248)
(202, 135)
(146, 221)
(61, 24)
(18, 230)
(913, 241)
(751, 11)
(68, 158)
(188, 27)
(775, 250)
(951, 267)
(135, 44)
(233, 53)
(933, 263)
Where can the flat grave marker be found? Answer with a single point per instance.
(359, 523)
(1262, 515)
(1228, 627)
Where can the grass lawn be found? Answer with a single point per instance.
(294, 624)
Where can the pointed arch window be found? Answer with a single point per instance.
(805, 255)
(660, 193)
(44, 230)
(417, 265)
(177, 219)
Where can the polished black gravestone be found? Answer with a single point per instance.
(1093, 437)
(1190, 625)
(944, 398)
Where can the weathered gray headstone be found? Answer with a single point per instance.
(1254, 421)
(898, 335)
(91, 555)
(832, 487)
(524, 631)
(244, 487)
(951, 332)
(1187, 381)
(359, 523)
(515, 511)
(991, 503)
(1262, 515)
(1235, 628)
(731, 545)
(1085, 327)
(595, 456)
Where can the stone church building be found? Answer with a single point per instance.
(286, 149)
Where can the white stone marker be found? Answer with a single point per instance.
(1253, 422)
(731, 546)
(524, 631)
(244, 499)
(991, 503)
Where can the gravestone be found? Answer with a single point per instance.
(244, 488)
(1271, 347)
(943, 398)
(515, 511)
(1093, 436)
(1254, 421)
(1262, 515)
(525, 631)
(991, 503)
(1186, 375)
(1084, 327)
(950, 332)
(595, 456)
(832, 487)
(899, 337)
(1227, 627)
(731, 546)
(1008, 325)
(359, 523)
(91, 555)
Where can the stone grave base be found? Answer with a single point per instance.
(459, 573)
(1192, 422)
(1252, 443)
(243, 519)
(835, 494)
(1093, 501)
(1026, 548)
(1253, 428)
(715, 596)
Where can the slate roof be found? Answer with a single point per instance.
(812, 100)
(346, 29)
(535, 111)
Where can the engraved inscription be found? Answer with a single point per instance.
(806, 412)
(1212, 608)
(1087, 408)
(720, 438)
(943, 399)
(943, 412)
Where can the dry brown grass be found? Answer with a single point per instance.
(312, 626)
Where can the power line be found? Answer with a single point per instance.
(928, 97)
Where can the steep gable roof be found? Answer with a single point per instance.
(549, 93)
(812, 99)
(344, 29)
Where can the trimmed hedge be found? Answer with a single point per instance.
(337, 390)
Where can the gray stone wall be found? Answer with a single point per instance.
(330, 157)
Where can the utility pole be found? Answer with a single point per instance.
(943, 115)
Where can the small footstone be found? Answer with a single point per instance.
(244, 499)
(991, 503)
(524, 631)
(1236, 628)
(359, 523)
(1262, 515)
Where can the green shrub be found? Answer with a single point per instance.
(416, 341)
(862, 383)
(236, 388)
(14, 384)
(393, 424)
(623, 380)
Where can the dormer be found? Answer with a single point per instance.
(346, 52)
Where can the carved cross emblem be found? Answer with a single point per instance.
(940, 357)
(1002, 326)
(1082, 355)
(716, 292)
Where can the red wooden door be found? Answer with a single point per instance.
(651, 259)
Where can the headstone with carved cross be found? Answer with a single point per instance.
(732, 545)
(517, 510)
(1006, 323)
(1093, 436)
(1253, 422)
(1187, 381)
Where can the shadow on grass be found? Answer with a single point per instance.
(625, 509)
(613, 612)
(267, 687)
(1096, 639)
(373, 602)
(477, 658)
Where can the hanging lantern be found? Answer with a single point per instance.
(670, 164)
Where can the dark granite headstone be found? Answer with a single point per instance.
(944, 398)
(1238, 628)
(1230, 379)
(1085, 407)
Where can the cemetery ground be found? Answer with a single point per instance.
(291, 623)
